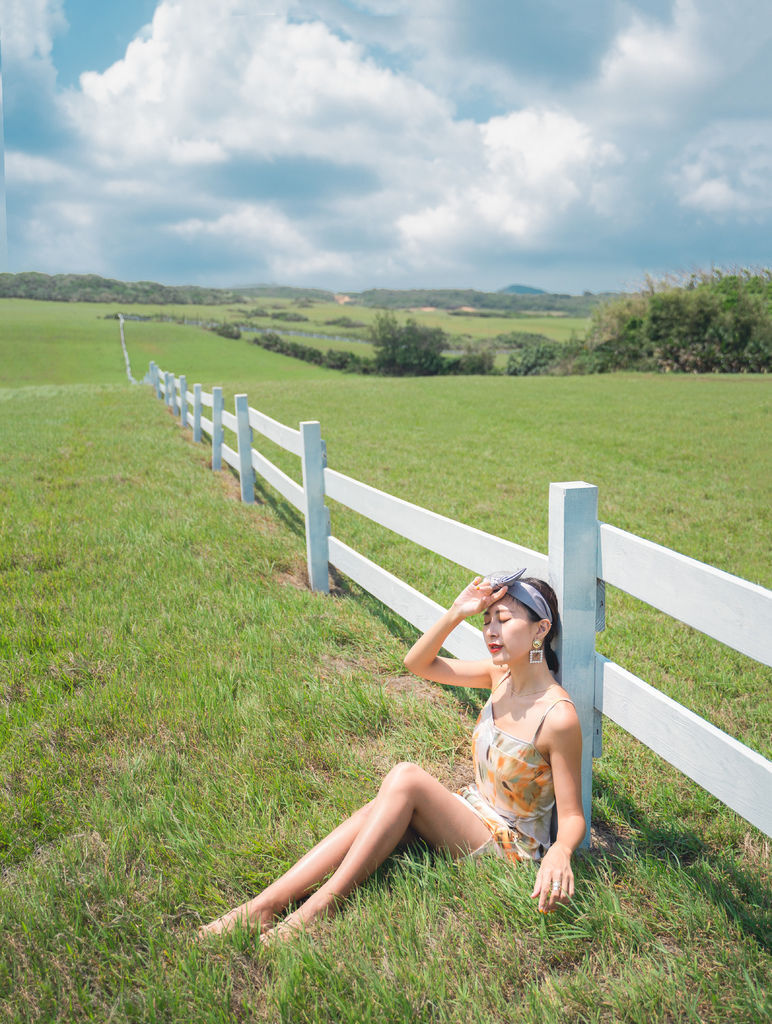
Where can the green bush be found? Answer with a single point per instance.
(711, 323)
(517, 339)
(288, 316)
(478, 360)
(227, 330)
(345, 321)
(533, 358)
(332, 358)
(701, 331)
(407, 350)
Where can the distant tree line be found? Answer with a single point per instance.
(401, 350)
(277, 291)
(502, 302)
(92, 288)
(334, 359)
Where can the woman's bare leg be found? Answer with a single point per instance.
(408, 797)
(302, 878)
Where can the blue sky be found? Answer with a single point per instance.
(350, 144)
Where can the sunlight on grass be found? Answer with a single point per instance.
(180, 718)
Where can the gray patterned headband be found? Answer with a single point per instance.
(522, 592)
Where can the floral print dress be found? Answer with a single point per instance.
(513, 792)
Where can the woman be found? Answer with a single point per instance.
(506, 811)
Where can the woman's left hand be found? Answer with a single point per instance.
(554, 880)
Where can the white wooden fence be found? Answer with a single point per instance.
(584, 555)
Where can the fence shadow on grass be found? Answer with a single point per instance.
(282, 509)
(717, 876)
(471, 700)
(399, 628)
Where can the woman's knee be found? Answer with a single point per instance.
(405, 776)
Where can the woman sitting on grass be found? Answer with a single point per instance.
(506, 811)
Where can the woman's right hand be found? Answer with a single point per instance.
(424, 658)
(476, 597)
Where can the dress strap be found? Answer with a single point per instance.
(563, 700)
(503, 679)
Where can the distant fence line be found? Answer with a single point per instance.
(209, 325)
(584, 555)
(125, 351)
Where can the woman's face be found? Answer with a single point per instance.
(509, 631)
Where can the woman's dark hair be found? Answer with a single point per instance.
(550, 597)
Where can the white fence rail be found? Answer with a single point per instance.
(584, 554)
(462, 544)
(725, 607)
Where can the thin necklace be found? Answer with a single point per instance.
(526, 693)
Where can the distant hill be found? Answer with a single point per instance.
(92, 288)
(520, 289)
(462, 301)
(458, 298)
(281, 291)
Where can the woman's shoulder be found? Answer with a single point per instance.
(560, 711)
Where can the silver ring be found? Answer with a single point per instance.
(556, 886)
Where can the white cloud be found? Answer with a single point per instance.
(203, 87)
(534, 165)
(727, 169)
(204, 84)
(196, 151)
(28, 27)
(365, 91)
(27, 169)
(256, 224)
(651, 62)
(64, 237)
(247, 222)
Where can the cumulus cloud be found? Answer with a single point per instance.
(29, 169)
(532, 166)
(653, 64)
(274, 88)
(206, 82)
(390, 141)
(727, 169)
(29, 27)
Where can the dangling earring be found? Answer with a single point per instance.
(536, 654)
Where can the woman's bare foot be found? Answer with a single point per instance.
(317, 905)
(281, 932)
(254, 915)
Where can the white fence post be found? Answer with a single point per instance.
(244, 438)
(169, 382)
(197, 413)
(217, 431)
(314, 459)
(155, 378)
(573, 560)
(183, 401)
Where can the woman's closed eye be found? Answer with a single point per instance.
(487, 619)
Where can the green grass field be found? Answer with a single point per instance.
(460, 329)
(180, 718)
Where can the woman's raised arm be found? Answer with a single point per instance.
(424, 659)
